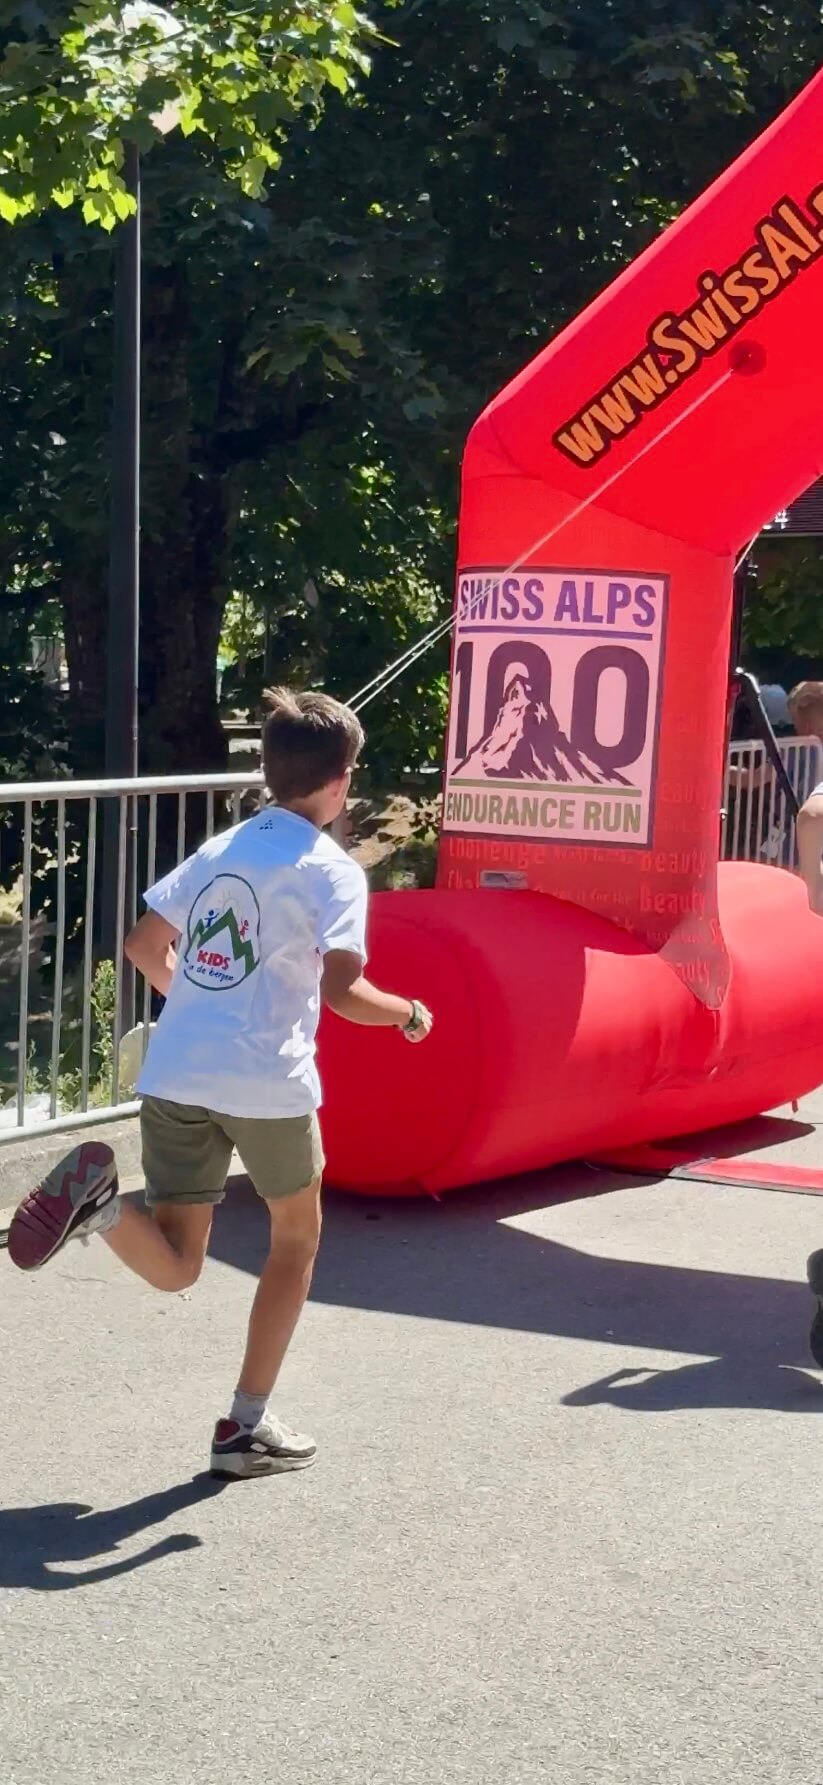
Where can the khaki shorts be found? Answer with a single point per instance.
(187, 1152)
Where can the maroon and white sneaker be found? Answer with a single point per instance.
(74, 1201)
(271, 1449)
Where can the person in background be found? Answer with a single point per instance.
(750, 828)
(776, 708)
(805, 706)
(806, 709)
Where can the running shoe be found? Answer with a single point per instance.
(271, 1449)
(814, 1272)
(74, 1201)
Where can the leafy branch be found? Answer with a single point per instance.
(77, 82)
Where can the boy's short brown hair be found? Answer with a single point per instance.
(308, 741)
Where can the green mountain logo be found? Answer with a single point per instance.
(223, 934)
(241, 951)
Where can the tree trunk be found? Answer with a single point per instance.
(82, 373)
(184, 593)
(193, 398)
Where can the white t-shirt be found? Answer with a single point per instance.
(256, 907)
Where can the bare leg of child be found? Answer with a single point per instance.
(166, 1248)
(282, 1290)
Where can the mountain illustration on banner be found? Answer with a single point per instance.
(526, 743)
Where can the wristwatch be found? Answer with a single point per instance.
(415, 1021)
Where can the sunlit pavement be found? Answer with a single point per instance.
(565, 1526)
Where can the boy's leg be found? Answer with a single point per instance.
(282, 1290)
(80, 1197)
(167, 1247)
(186, 1158)
(285, 1161)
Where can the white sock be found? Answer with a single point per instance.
(248, 1410)
(103, 1221)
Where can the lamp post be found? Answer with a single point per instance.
(123, 627)
(123, 623)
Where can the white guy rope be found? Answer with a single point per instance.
(378, 684)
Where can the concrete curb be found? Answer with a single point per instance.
(23, 1164)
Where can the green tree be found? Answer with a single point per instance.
(314, 357)
(500, 166)
(783, 626)
(76, 80)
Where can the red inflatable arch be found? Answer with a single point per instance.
(597, 979)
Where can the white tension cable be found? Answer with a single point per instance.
(378, 684)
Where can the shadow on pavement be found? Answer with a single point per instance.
(35, 1538)
(458, 1260)
(719, 1382)
(739, 1139)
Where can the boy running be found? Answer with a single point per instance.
(243, 940)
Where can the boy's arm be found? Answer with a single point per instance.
(349, 994)
(151, 944)
(810, 848)
(342, 944)
(150, 948)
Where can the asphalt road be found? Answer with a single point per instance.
(566, 1525)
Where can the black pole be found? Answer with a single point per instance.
(742, 578)
(121, 738)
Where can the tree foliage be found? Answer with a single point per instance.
(314, 355)
(76, 80)
(783, 631)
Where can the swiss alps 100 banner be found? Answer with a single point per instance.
(554, 719)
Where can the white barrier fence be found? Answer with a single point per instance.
(63, 993)
(61, 1023)
(756, 825)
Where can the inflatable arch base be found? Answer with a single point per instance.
(559, 1035)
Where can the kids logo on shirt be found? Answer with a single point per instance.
(223, 935)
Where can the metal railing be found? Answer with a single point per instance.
(59, 1061)
(756, 825)
(53, 833)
